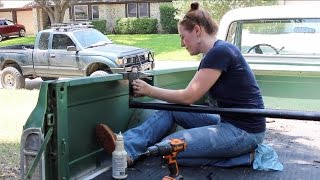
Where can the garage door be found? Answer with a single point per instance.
(26, 18)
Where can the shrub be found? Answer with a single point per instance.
(136, 26)
(100, 25)
(267, 28)
(167, 21)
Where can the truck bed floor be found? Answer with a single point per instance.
(297, 144)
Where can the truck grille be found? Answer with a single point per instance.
(136, 60)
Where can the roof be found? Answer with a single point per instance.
(15, 4)
(268, 12)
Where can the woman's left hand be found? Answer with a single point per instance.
(141, 88)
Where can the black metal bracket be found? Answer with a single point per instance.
(133, 75)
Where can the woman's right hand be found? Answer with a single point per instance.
(141, 88)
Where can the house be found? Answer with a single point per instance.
(111, 10)
(20, 12)
(35, 19)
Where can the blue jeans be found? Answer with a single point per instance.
(209, 141)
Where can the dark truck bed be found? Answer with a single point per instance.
(296, 142)
(20, 46)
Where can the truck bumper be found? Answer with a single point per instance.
(143, 67)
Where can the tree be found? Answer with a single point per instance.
(55, 9)
(217, 8)
(167, 20)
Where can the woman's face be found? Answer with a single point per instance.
(189, 40)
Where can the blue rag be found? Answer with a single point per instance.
(266, 158)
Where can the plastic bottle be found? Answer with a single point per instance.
(119, 159)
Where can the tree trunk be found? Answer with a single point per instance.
(55, 9)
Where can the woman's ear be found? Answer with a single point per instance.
(198, 30)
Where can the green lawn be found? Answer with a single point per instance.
(15, 108)
(16, 40)
(165, 46)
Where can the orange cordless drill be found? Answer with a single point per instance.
(169, 149)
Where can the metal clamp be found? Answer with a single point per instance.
(136, 74)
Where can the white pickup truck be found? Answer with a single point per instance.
(272, 37)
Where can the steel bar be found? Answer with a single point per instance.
(271, 113)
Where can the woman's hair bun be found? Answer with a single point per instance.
(194, 6)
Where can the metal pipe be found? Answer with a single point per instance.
(271, 113)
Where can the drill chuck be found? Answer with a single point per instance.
(161, 149)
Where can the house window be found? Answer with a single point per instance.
(143, 10)
(138, 10)
(95, 12)
(81, 12)
(132, 10)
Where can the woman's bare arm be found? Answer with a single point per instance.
(202, 81)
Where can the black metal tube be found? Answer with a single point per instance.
(271, 113)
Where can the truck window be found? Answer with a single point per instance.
(232, 33)
(278, 37)
(8, 22)
(96, 37)
(61, 41)
(44, 41)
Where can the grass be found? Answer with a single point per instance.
(16, 40)
(165, 46)
(15, 108)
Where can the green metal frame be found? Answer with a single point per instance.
(77, 105)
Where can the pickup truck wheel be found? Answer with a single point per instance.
(49, 78)
(11, 78)
(99, 73)
(1, 37)
(22, 33)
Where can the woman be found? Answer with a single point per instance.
(214, 140)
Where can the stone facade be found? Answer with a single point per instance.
(113, 12)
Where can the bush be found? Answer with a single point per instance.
(136, 26)
(266, 28)
(100, 25)
(167, 21)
